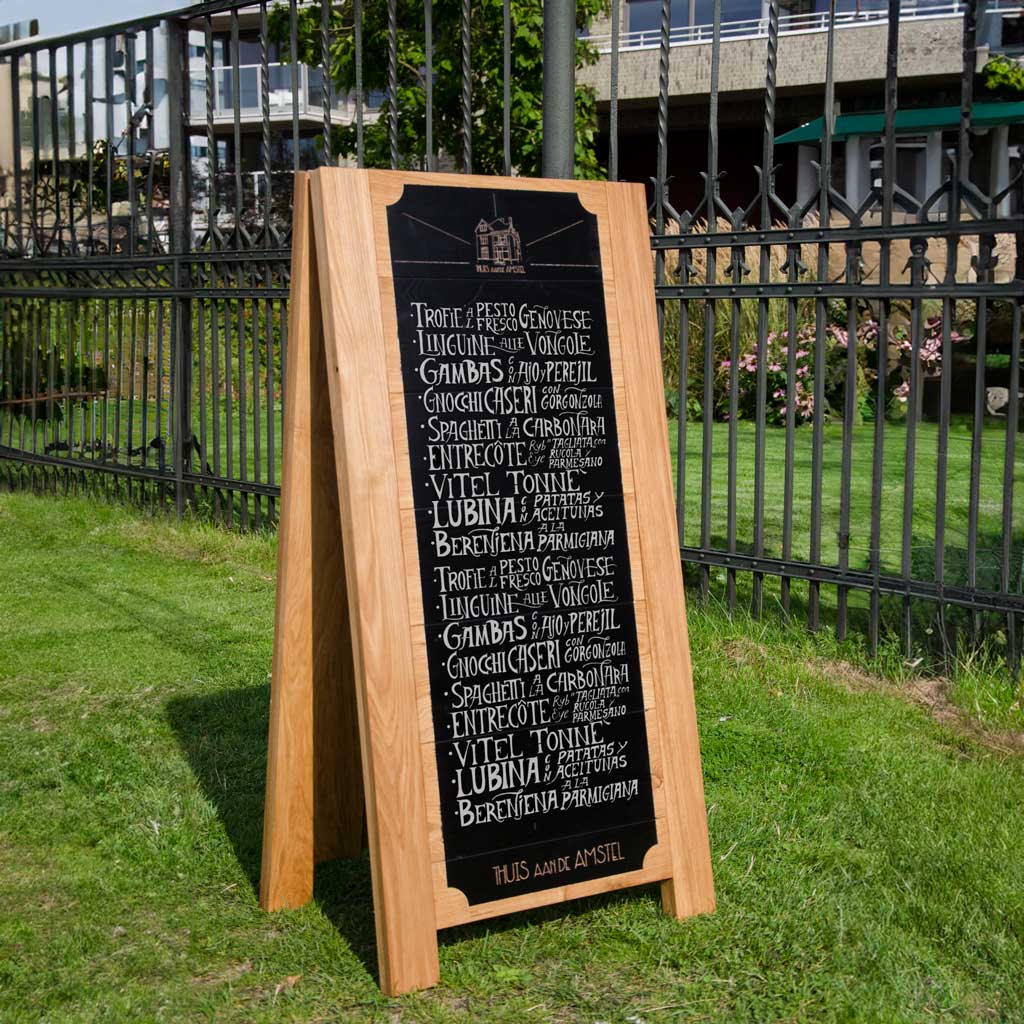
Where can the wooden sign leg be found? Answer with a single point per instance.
(690, 890)
(403, 890)
(314, 803)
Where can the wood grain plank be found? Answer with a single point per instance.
(691, 888)
(286, 878)
(368, 493)
(314, 802)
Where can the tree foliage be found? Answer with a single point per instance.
(486, 37)
(1004, 76)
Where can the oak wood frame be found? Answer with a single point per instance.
(362, 648)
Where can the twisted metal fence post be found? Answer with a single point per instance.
(180, 243)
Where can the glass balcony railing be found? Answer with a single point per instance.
(851, 14)
(241, 89)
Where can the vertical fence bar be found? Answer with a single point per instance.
(211, 140)
(149, 101)
(58, 227)
(983, 267)
(120, 382)
(106, 379)
(293, 38)
(16, 142)
(34, 197)
(70, 329)
(69, 57)
(918, 265)
(34, 361)
(737, 270)
(467, 85)
(108, 156)
(1009, 465)
(236, 113)
(265, 138)
(215, 402)
(357, 14)
(180, 230)
(93, 383)
(88, 363)
(942, 465)
(683, 395)
(268, 329)
(710, 274)
(853, 266)
(7, 406)
(90, 141)
(661, 171)
(129, 115)
(257, 473)
(143, 443)
(506, 86)
(238, 314)
(51, 68)
(129, 411)
(229, 407)
(26, 334)
(43, 333)
(613, 102)
(201, 308)
(158, 384)
(961, 185)
(428, 49)
(767, 184)
(882, 341)
(820, 324)
(393, 82)
(326, 86)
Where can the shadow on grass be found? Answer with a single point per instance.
(224, 737)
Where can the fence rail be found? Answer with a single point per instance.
(842, 357)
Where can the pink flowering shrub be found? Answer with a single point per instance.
(901, 349)
(777, 350)
(777, 356)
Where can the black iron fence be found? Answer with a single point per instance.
(836, 252)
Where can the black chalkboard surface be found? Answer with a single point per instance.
(542, 753)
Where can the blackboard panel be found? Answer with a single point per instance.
(521, 530)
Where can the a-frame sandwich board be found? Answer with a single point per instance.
(359, 725)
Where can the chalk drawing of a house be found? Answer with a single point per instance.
(498, 242)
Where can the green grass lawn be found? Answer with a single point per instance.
(225, 455)
(867, 859)
(924, 510)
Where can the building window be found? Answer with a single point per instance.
(249, 50)
(645, 15)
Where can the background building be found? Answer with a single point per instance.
(930, 69)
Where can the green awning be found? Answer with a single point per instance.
(914, 121)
